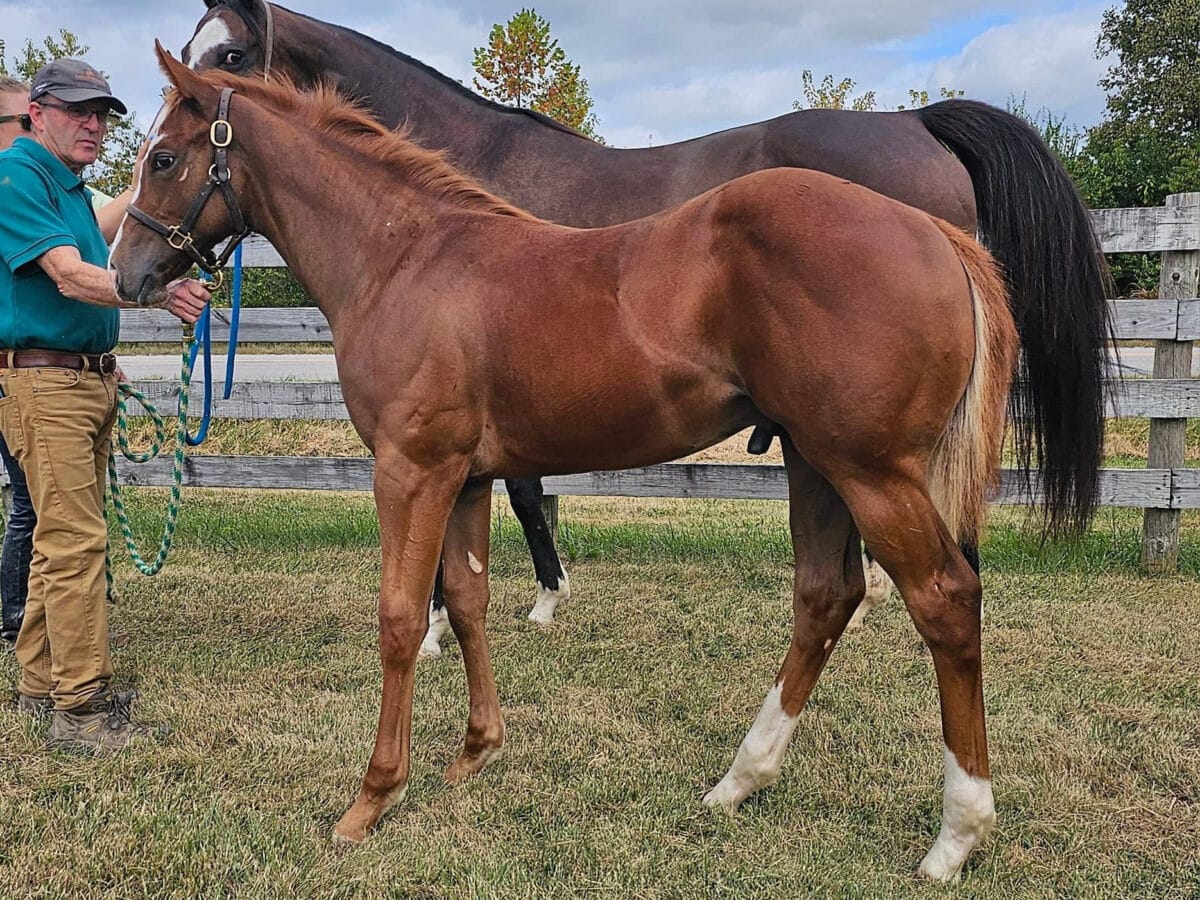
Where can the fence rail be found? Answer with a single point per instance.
(1169, 399)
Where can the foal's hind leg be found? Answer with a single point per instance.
(828, 586)
(465, 557)
(942, 593)
(553, 585)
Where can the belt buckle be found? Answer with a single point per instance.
(108, 363)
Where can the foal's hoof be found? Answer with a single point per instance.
(467, 766)
(342, 841)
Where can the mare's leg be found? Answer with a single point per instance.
(553, 585)
(439, 622)
(879, 588)
(465, 557)
(942, 593)
(828, 586)
(413, 506)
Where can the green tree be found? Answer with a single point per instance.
(920, 98)
(1148, 144)
(113, 170)
(828, 95)
(524, 66)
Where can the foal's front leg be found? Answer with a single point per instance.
(413, 505)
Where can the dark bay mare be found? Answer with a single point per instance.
(971, 164)
(749, 304)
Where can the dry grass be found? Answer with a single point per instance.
(257, 645)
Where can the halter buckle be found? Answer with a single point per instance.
(226, 137)
(174, 234)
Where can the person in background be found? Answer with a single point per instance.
(58, 325)
(20, 519)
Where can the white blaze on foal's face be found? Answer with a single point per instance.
(156, 135)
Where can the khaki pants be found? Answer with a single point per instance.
(57, 423)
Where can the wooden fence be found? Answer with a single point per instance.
(1169, 399)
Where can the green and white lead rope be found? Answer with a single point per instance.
(160, 437)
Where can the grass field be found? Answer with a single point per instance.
(257, 648)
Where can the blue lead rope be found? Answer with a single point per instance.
(234, 315)
(204, 337)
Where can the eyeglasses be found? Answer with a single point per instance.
(22, 118)
(83, 114)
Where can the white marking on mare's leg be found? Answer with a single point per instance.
(214, 33)
(474, 563)
(547, 600)
(968, 813)
(439, 624)
(879, 588)
(760, 756)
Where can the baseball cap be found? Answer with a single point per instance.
(73, 81)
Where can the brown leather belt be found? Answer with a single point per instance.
(104, 363)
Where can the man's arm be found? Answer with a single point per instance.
(80, 280)
(109, 216)
(77, 279)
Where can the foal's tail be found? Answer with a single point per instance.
(966, 461)
(1032, 219)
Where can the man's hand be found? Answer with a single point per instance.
(186, 298)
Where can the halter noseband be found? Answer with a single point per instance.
(220, 135)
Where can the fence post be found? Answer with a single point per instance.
(550, 511)
(1180, 280)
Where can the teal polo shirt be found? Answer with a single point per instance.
(44, 205)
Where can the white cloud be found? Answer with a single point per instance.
(668, 68)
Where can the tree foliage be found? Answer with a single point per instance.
(829, 95)
(113, 170)
(523, 65)
(1148, 144)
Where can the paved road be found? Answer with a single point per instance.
(320, 367)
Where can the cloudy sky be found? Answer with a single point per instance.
(667, 70)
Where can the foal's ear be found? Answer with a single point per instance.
(190, 85)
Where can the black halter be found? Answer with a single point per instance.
(220, 135)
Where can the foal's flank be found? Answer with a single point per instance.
(748, 304)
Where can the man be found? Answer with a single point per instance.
(58, 325)
(18, 527)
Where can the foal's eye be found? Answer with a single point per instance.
(233, 58)
(160, 162)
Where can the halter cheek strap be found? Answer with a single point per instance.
(220, 135)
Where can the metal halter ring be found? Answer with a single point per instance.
(228, 135)
(174, 234)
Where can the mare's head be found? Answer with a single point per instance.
(232, 37)
(181, 209)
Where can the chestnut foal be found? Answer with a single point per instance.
(746, 305)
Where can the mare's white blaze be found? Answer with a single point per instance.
(759, 758)
(439, 624)
(474, 563)
(968, 813)
(214, 33)
(157, 135)
(547, 600)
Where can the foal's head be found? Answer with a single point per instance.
(181, 210)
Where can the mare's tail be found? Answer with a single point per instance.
(1034, 222)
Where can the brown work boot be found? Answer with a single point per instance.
(35, 706)
(100, 725)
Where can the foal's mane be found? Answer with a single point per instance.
(323, 110)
